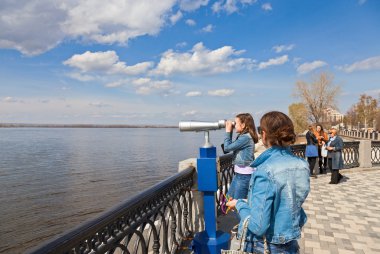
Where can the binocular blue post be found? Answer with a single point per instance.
(209, 241)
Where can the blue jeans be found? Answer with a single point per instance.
(239, 186)
(291, 247)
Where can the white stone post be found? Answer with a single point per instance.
(365, 154)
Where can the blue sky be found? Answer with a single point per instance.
(159, 62)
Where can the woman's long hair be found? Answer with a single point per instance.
(279, 129)
(321, 131)
(249, 125)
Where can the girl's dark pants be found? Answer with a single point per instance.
(312, 161)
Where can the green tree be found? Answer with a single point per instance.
(318, 95)
(298, 114)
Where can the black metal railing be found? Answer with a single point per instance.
(298, 150)
(157, 220)
(351, 154)
(225, 174)
(375, 153)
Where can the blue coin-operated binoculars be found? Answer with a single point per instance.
(210, 240)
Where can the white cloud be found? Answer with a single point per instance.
(190, 22)
(230, 6)
(36, 26)
(118, 83)
(266, 7)
(221, 92)
(145, 86)
(174, 18)
(361, 2)
(80, 76)
(190, 113)
(193, 93)
(273, 61)
(181, 44)
(98, 104)
(308, 67)
(105, 62)
(191, 5)
(201, 60)
(281, 48)
(141, 81)
(372, 63)
(10, 99)
(208, 28)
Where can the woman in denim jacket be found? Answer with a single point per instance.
(277, 191)
(243, 148)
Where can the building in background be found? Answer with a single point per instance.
(332, 116)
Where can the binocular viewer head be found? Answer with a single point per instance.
(201, 125)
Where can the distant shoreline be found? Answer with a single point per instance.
(29, 125)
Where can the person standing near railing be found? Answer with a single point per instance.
(277, 190)
(243, 149)
(311, 151)
(321, 136)
(334, 155)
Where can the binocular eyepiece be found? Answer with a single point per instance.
(201, 125)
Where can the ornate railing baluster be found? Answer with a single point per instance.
(351, 154)
(375, 153)
(225, 174)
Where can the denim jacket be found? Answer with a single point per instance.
(277, 191)
(242, 148)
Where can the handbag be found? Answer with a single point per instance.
(241, 244)
(311, 151)
(324, 151)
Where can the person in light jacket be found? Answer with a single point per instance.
(277, 190)
(243, 149)
(334, 155)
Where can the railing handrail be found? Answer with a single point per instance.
(84, 231)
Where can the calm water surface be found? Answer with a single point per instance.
(53, 179)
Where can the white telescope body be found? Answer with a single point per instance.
(201, 126)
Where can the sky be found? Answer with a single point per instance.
(163, 61)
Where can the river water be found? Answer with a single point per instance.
(52, 179)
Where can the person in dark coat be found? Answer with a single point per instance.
(334, 155)
(311, 140)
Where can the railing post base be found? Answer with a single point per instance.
(209, 241)
(203, 244)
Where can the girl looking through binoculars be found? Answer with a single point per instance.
(243, 149)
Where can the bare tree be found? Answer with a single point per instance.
(366, 110)
(351, 118)
(298, 114)
(318, 95)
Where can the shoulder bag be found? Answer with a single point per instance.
(311, 151)
(242, 239)
(324, 151)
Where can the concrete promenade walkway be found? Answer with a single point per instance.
(342, 218)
